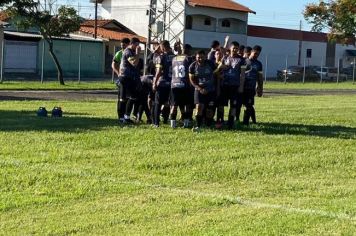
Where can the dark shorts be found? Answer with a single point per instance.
(206, 99)
(128, 88)
(179, 96)
(191, 95)
(162, 95)
(248, 97)
(228, 94)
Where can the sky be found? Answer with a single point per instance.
(278, 13)
(274, 13)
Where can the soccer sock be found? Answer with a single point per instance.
(246, 119)
(157, 112)
(136, 109)
(147, 111)
(199, 119)
(129, 107)
(122, 109)
(238, 112)
(231, 121)
(253, 115)
(165, 113)
(220, 114)
(140, 112)
(173, 116)
(189, 115)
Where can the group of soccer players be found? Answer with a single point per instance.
(229, 76)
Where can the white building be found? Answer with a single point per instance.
(204, 20)
(208, 20)
(285, 47)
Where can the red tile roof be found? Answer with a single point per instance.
(289, 34)
(221, 4)
(91, 23)
(110, 34)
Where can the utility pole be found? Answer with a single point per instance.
(96, 20)
(300, 43)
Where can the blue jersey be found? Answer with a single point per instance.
(232, 73)
(180, 71)
(164, 62)
(253, 70)
(126, 68)
(204, 74)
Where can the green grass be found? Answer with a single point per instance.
(292, 174)
(106, 85)
(53, 85)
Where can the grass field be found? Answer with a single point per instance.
(106, 84)
(292, 174)
(53, 85)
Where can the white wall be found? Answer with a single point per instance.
(216, 13)
(340, 53)
(278, 53)
(199, 23)
(318, 53)
(130, 13)
(202, 39)
(236, 26)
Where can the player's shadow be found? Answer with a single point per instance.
(16, 121)
(331, 131)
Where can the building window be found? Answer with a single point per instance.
(309, 53)
(207, 21)
(188, 22)
(225, 23)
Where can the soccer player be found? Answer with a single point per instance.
(180, 86)
(129, 76)
(162, 80)
(254, 75)
(241, 50)
(118, 56)
(202, 77)
(219, 56)
(115, 65)
(234, 73)
(215, 45)
(247, 52)
(144, 99)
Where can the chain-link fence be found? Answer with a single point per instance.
(88, 61)
(289, 68)
(31, 61)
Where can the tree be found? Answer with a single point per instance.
(28, 14)
(337, 16)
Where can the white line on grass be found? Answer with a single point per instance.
(244, 202)
(235, 199)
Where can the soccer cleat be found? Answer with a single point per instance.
(155, 126)
(253, 116)
(196, 129)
